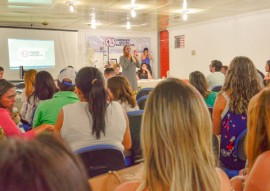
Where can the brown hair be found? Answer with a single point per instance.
(121, 90)
(199, 81)
(258, 135)
(242, 83)
(42, 164)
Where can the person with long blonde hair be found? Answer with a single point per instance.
(176, 139)
(230, 108)
(120, 90)
(29, 80)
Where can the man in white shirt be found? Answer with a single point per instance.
(216, 78)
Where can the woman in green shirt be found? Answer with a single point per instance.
(199, 81)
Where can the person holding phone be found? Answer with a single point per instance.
(146, 58)
(129, 62)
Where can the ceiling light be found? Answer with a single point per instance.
(71, 8)
(133, 13)
(133, 2)
(185, 16)
(185, 4)
(128, 25)
(71, 5)
(93, 24)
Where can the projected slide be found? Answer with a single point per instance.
(31, 54)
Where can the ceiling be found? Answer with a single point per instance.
(152, 15)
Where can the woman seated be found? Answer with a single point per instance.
(199, 81)
(7, 101)
(177, 142)
(120, 91)
(44, 88)
(41, 164)
(257, 145)
(230, 109)
(143, 73)
(93, 120)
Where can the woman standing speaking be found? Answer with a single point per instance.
(129, 63)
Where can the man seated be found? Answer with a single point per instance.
(109, 72)
(216, 78)
(47, 111)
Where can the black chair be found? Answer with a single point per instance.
(216, 88)
(100, 159)
(210, 109)
(141, 101)
(143, 92)
(216, 148)
(135, 118)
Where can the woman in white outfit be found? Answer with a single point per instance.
(93, 120)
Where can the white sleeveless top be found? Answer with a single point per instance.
(77, 126)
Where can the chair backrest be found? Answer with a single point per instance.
(216, 88)
(216, 148)
(210, 109)
(143, 92)
(135, 119)
(141, 102)
(240, 145)
(100, 159)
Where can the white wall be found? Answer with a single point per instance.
(70, 47)
(65, 48)
(223, 39)
(82, 59)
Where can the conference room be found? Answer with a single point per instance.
(184, 44)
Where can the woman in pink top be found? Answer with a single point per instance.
(7, 101)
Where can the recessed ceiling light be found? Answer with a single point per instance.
(189, 10)
(135, 6)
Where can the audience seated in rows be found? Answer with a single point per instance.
(177, 142)
(120, 91)
(198, 80)
(93, 120)
(44, 88)
(7, 101)
(41, 164)
(257, 145)
(216, 78)
(230, 109)
(48, 110)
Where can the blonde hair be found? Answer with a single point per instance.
(176, 140)
(124, 48)
(258, 135)
(29, 80)
(242, 83)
